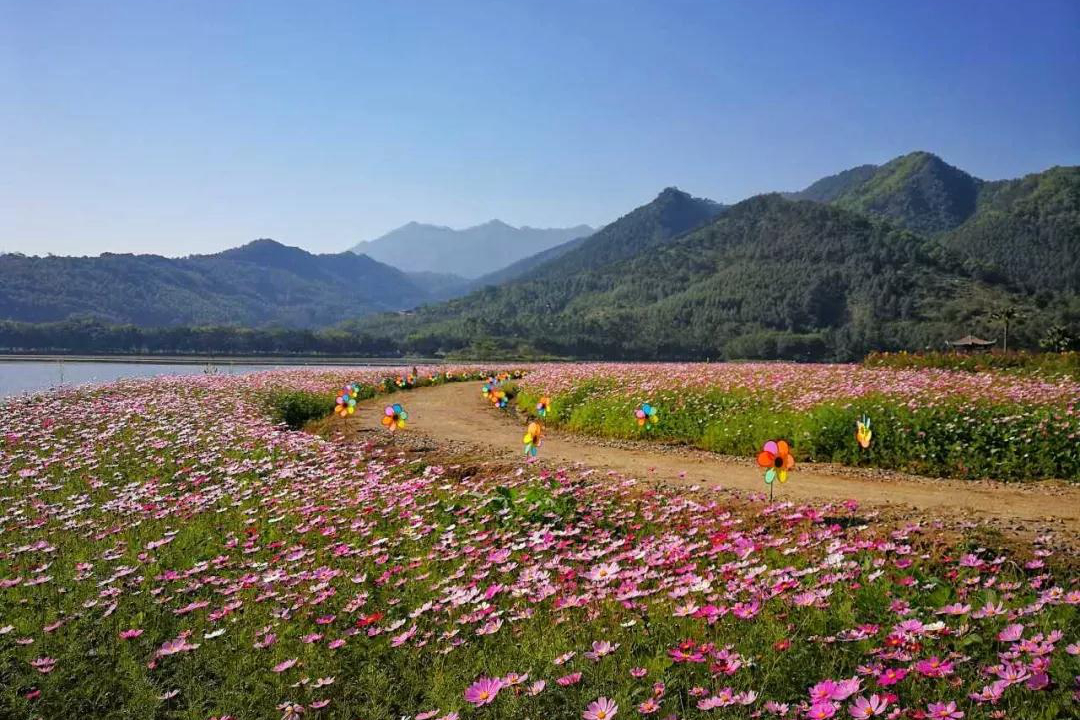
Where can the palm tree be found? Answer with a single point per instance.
(1006, 316)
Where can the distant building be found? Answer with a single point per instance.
(970, 342)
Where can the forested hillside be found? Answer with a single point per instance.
(262, 283)
(769, 277)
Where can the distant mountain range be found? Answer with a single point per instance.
(901, 255)
(259, 284)
(468, 253)
(907, 254)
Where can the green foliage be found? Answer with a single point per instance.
(1056, 340)
(92, 336)
(262, 283)
(917, 191)
(533, 504)
(296, 408)
(952, 438)
(1026, 232)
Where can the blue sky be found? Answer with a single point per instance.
(185, 126)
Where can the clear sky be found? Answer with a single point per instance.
(181, 126)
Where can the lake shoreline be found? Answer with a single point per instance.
(220, 359)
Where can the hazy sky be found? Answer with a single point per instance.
(176, 126)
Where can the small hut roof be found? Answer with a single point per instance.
(971, 340)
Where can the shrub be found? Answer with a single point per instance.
(296, 408)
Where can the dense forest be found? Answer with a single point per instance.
(259, 284)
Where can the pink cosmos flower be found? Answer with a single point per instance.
(1038, 681)
(990, 693)
(570, 679)
(648, 707)
(821, 711)
(129, 634)
(514, 678)
(934, 666)
(746, 698)
(44, 665)
(638, 672)
(483, 691)
(536, 688)
(891, 676)
(600, 709)
(864, 707)
(600, 648)
(291, 711)
(284, 665)
(943, 711)
(1011, 633)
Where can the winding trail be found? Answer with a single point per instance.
(457, 413)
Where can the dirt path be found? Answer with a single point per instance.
(458, 413)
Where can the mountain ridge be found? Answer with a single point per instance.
(469, 252)
(767, 277)
(258, 284)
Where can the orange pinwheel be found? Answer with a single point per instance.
(776, 458)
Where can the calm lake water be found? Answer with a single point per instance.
(19, 376)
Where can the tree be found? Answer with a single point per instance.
(1006, 316)
(1056, 339)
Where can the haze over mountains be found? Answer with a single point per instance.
(905, 254)
(467, 253)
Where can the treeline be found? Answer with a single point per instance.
(89, 337)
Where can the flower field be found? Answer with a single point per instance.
(932, 421)
(167, 551)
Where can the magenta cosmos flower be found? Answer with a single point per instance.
(483, 691)
(944, 711)
(868, 707)
(600, 709)
(821, 711)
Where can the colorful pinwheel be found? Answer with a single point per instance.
(863, 433)
(405, 381)
(346, 400)
(533, 435)
(776, 458)
(542, 406)
(394, 417)
(499, 398)
(646, 416)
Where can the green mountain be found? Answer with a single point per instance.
(259, 284)
(830, 188)
(767, 277)
(1025, 232)
(918, 191)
